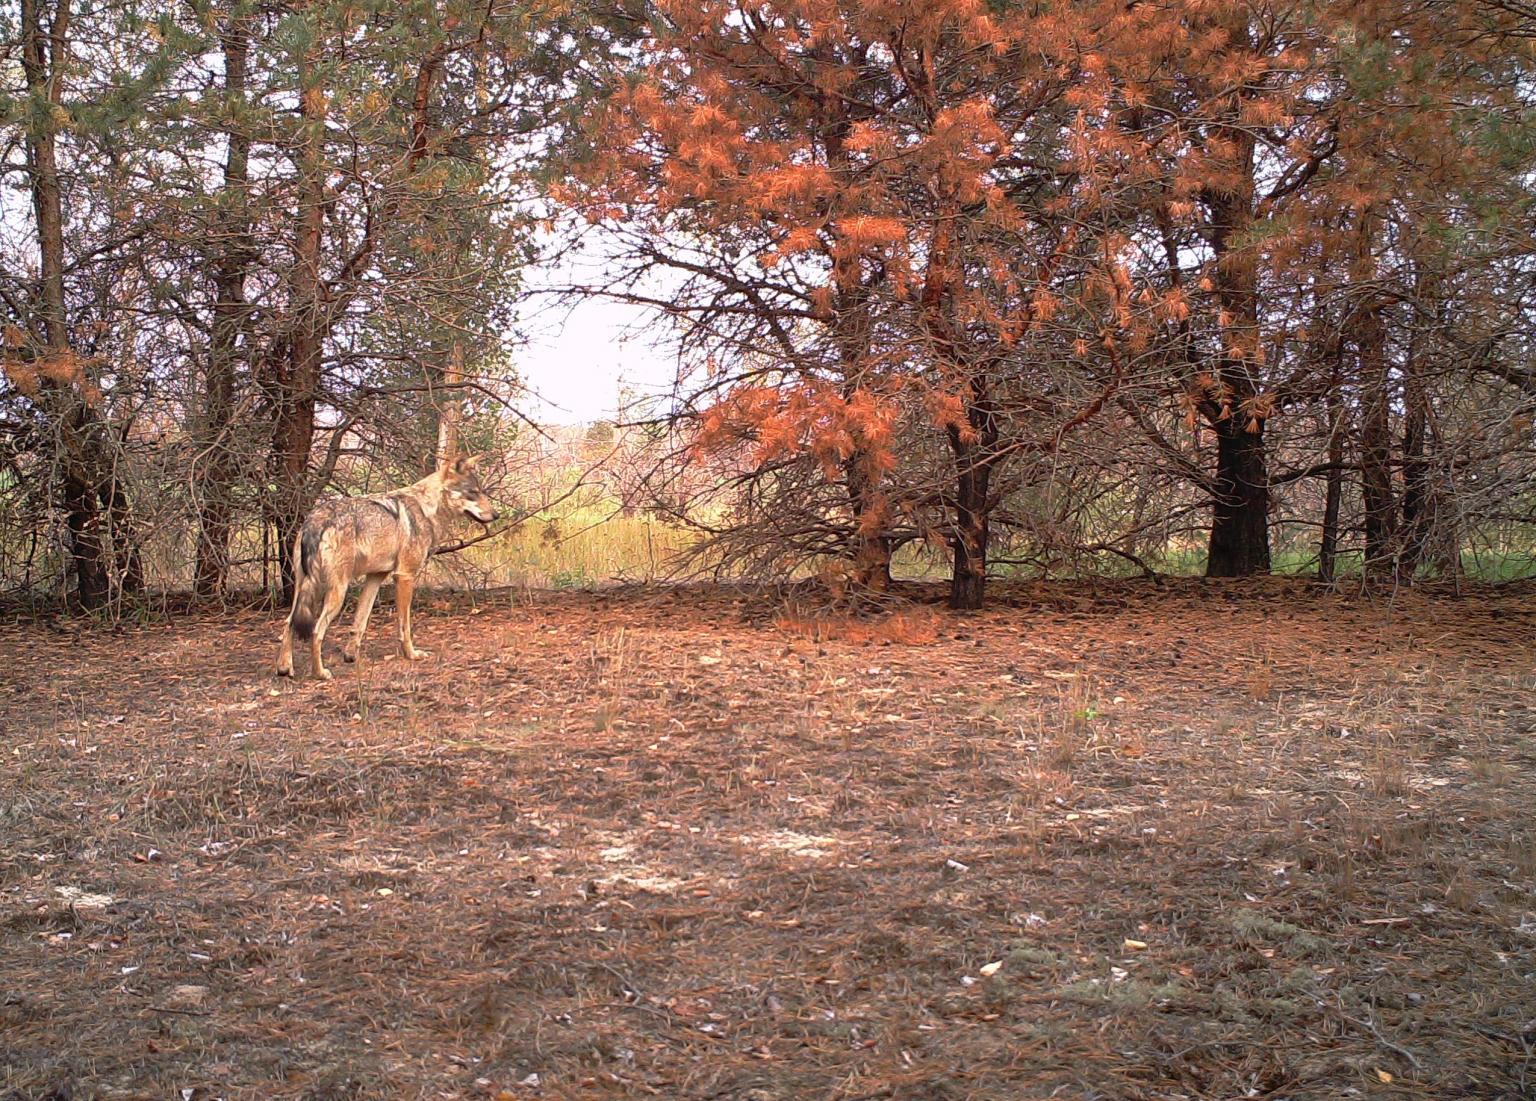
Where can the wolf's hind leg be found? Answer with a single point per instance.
(365, 601)
(285, 648)
(333, 601)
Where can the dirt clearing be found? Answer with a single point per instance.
(1213, 841)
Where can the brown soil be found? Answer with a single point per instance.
(1215, 841)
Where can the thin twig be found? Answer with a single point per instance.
(1370, 1026)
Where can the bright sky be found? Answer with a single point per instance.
(577, 359)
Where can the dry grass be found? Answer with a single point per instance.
(652, 844)
(575, 549)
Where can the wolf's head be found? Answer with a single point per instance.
(462, 491)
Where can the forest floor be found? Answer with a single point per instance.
(1113, 841)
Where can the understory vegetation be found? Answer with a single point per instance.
(989, 288)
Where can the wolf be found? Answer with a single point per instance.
(345, 539)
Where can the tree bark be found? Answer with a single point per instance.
(1417, 511)
(1421, 514)
(973, 444)
(448, 403)
(1376, 491)
(216, 508)
(1239, 541)
(1328, 552)
(299, 362)
(974, 449)
(91, 496)
(870, 545)
(1239, 545)
(972, 512)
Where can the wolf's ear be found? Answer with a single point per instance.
(467, 464)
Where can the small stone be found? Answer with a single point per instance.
(186, 997)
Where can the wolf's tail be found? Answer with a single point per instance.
(310, 583)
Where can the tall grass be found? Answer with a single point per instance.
(572, 549)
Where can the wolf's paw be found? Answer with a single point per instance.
(285, 670)
(417, 655)
(323, 674)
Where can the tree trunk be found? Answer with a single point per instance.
(1328, 552)
(870, 544)
(1239, 542)
(1375, 441)
(298, 387)
(216, 508)
(968, 579)
(446, 410)
(448, 404)
(973, 444)
(82, 516)
(42, 59)
(86, 475)
(1417, 516)
(869, 547)
(975, 460)
(215, 516)
(1420, 517)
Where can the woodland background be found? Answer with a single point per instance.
(955, 288)
(989, 292)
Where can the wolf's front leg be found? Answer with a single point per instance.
(405, 589)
